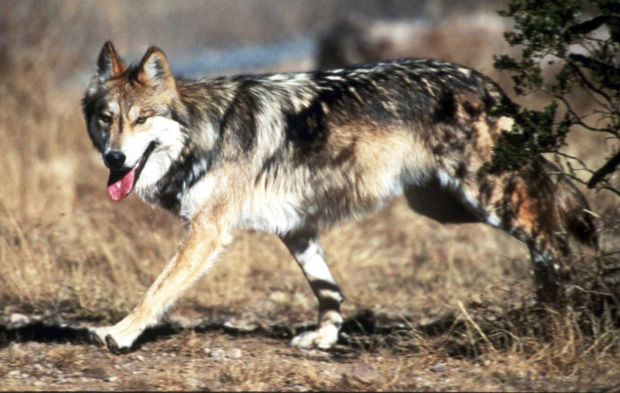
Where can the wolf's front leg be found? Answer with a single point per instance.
(197, 252)
(310, 256)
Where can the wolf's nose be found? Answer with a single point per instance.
(114, 159)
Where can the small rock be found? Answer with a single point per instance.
(242, 325)
(18, 319)
(216, 353)
(13, 373)
(363, 373)
(234, 353)
(438, 368)
(110, 379)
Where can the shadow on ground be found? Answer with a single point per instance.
(363, 331)
(476, 329)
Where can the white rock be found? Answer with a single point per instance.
(216, 353)
(17, 318)
(234, 353)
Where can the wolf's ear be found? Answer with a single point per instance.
(154, 69)
(109, 64)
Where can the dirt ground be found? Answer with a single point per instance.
(214, 356)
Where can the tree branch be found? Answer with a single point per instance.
(592, 24)
(603, 171)
(577, 120)
(586, 82)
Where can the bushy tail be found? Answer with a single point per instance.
(572, 212)
(576, 215)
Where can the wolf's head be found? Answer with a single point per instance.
(135, 119)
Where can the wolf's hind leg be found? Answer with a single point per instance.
(310, 256)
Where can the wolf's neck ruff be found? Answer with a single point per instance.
(186, 171)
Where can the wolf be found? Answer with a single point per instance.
(292, 154)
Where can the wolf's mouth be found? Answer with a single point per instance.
(121, 183)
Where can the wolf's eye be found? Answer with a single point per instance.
(105, 119)
(141, 119)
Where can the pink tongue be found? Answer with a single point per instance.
(121, 188)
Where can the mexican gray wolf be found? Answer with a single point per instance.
(295, 153)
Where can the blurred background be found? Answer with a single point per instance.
(219, 36)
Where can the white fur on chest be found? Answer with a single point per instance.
(276, 214)
(197, 196)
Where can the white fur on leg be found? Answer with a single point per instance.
(310, 257)
(323, 338)
(116, 337)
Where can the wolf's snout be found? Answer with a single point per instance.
(114, 159)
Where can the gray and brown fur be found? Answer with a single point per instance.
(293, 154)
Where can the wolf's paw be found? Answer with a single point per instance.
(116, 348)
(105, 336)
(97, 336)
(323, 338)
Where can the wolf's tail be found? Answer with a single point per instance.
(571, 210)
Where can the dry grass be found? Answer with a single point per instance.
(65, 249)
